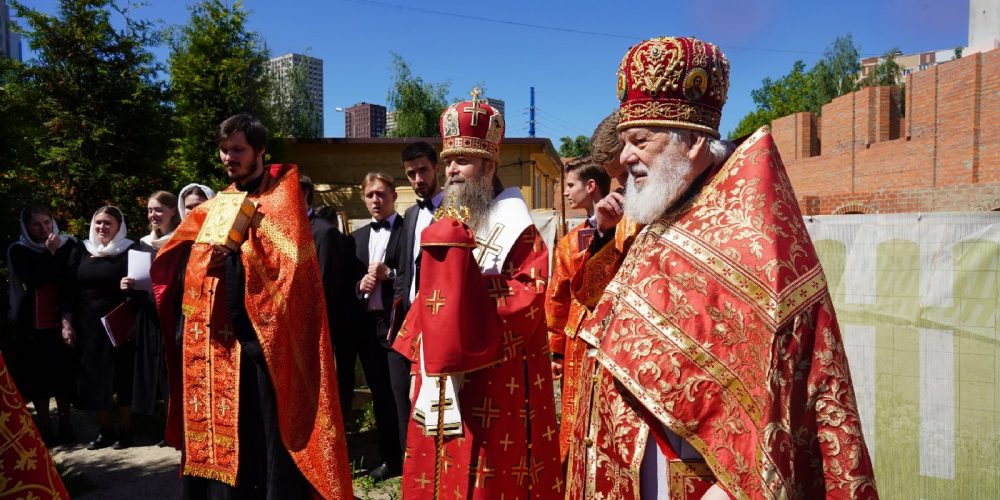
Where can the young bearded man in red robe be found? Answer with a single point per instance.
(476, 333)
(253, 401)
(586, 183)
(719, 370)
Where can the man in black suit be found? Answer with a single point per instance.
(332, 249)
(420, 163)
(377, 250)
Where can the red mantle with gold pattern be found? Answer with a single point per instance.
(279, 256)
(26, 468)
(719, 327)
(508, 447)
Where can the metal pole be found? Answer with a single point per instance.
(531, 115)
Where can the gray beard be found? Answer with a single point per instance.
(664, 186)
(476, 194)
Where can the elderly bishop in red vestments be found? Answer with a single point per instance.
(719, 370)
(477, 335)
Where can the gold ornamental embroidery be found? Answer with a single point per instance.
(657, 66)
(720, 76)
(297, 254)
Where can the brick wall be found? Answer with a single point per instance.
(860, 155)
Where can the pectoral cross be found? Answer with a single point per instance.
(475, 109)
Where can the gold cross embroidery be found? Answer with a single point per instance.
(499, 291)
(537, 281)
(195, 402)
(539, 380)
(475, 109)
(532, 312)
(482, 473)
(511, 343)
(558, 484)
(223, 407)
(512, 385)
(489, 245)
(531, 238)
(197, 330)
(435, 302)
(486, 413)
(226, 333)
(193, 292)
(423, 481)
(510, 269)
(548, 432)
(536, 467)
(506, 441)
(521, 470)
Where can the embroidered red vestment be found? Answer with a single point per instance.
(564, 315)
(279, 256)
(26, 468)
(719, 327)
(508, 446)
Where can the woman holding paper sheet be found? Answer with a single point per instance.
(94, 293)
(44, 365)
(150, 375)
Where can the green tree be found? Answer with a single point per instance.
(217, 69)
(101, 110)
(832, 76)
(417, 104)
(886, 72)
(292, 105)
(574, 148)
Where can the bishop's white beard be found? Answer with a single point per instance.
(665, 182)
(475, 193)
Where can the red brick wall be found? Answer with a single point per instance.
(861, 156)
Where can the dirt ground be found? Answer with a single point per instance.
(148, 471)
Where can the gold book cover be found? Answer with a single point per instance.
(227, 220)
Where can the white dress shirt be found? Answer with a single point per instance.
(378, 240)
(424, 219)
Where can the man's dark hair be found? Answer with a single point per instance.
(418, 149)
(32, 210)
(605, 144)
(252, 128)
(307, 188)
(588, 169)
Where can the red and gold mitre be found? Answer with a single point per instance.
(472, 128)
(673, 82)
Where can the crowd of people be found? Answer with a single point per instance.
(686, 318)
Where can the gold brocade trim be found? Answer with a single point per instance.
(775, 308)
(679, 428)
(296, 254)
(462, 145)
(679, 471)
(209, 473)
(692, 349)
(670, 114)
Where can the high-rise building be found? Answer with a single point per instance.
(498, 105)
(281, 69)
(364, 120)
(10, 42)
(390, 123)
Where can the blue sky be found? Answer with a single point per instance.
(568, 50)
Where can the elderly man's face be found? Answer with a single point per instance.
(659, 170)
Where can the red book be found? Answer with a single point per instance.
(118, 323)
(47, 307)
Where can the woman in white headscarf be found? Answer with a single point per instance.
(95, 278)
(191, 196)
(44, 364)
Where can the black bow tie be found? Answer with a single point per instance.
(379, 224)
(428, 204)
